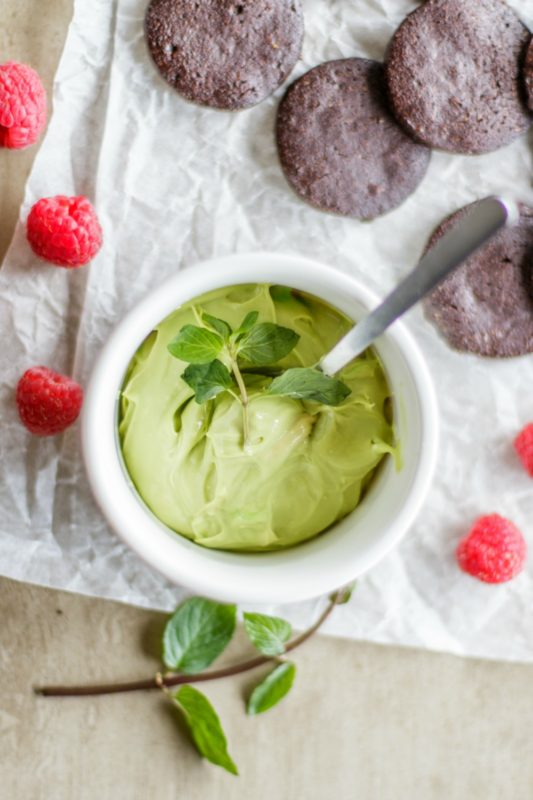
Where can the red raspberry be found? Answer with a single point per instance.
(48, 402)
(22, 105)
(523, 444)
(494, 551)
(64, 230)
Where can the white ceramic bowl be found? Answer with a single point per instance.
(350, 547)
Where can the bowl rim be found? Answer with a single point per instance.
(173, 558)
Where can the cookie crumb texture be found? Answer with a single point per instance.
(22, 106)
(339, 145)
(528, 75)
(64, 230)
(48, 402)
(226, 54)
(494, 551)
(454, 75)
(486, 305)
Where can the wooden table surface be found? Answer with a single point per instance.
(366, 722)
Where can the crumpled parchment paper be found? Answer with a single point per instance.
(174, 184)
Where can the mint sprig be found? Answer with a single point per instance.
(198, 632)
(219, 357)
(220, 350)
(194, 636)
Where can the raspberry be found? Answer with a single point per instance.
(64, 230)
(47, 401)
(494, 551)
(523, 444)
(22, 105)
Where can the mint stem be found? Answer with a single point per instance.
(163, 681)
(244, 401)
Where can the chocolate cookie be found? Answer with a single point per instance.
(339, 145)
(224, 53)
(453, 71)
(528, 75)
(486, 305)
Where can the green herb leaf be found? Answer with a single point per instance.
(248, 322)
(267, 343)
(195, 345)
(342, 596)
(196, 634)
(272, 689)
(204, 725)
(208, 380)
(307, 383)
(268, 634)
(218, 325)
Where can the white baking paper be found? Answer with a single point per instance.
(174, 184)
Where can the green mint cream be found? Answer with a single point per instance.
(305, 465)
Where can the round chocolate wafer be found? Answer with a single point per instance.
(453, 72)
(486, 305)
(339, 145)
(226, 54)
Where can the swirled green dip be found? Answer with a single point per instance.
(307, 465)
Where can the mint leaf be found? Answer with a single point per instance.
(248, 322)
(307, 383)
(195, 345)
(196, 634)
(268, 634)
(221, 327)
(208, 380)
(266, 343)
(342, 596)
(204, 725)
(272, 689)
